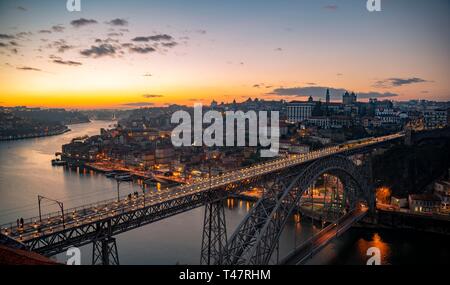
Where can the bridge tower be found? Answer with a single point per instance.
(105, 252)
(214, 241)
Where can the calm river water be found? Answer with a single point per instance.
(26, 172)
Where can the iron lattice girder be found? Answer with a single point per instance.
(256, 237)
(104, 252)
(214, 240)
(52, 244)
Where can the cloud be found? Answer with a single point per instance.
(148, 96)
(3, 45)
(6, 37)
(256, 86)
(114, 34)
(27, 68)
(99, 51)
(148, 75)
(170, 44)
(58, 28)
(21, 8)
(330, 7)
(118, 22)
(83, 22)
(142, 50)
(319, 92)
(155, 38)
(60, 45)
(279, 49)
(138, 104)
(397, 82)
(45, 32)
(67, 62)
(24, 34)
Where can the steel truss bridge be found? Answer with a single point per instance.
(284, 181)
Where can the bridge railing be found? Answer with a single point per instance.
(68, 212)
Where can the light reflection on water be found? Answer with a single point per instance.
(26, 171)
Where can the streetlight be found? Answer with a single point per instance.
(118, 189)
(143, 190)
(60, 204)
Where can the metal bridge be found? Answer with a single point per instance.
(284, 180)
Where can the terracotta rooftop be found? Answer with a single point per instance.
(13, 256)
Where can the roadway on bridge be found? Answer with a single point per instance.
(324, 237)
(34, 228)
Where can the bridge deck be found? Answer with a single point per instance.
(324, 237)
(52, 224)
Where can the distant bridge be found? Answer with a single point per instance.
(284, 181)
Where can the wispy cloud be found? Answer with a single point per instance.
(99, 51)
(67, 62)
(319, 92)
(397, 82)
(330, 7)
(152, 96)
(58, 28)
(142, 50)
(60, 45)
(83, 22)
(27, 68)
(155, 38)
(118, 22)
(6, 37)
(138, 104)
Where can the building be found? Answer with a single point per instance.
(435, 118)
(298, 111)
(442, 190)
(371, 122)
(425, 203)
(399, 202)
(349, 99)
(164, 155)
(387, 116)
(330, 122)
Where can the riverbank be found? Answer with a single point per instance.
(407, 221)
(39, 135)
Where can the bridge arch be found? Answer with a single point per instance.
(256, 237)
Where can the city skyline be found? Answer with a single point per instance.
(136, 54)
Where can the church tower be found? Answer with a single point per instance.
(327, 102)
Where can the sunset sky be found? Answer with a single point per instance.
(128, 54)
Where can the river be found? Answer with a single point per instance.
(26, 172)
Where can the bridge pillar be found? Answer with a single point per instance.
(105, 252)
(214, 241)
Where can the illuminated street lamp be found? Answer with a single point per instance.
(60, 204)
